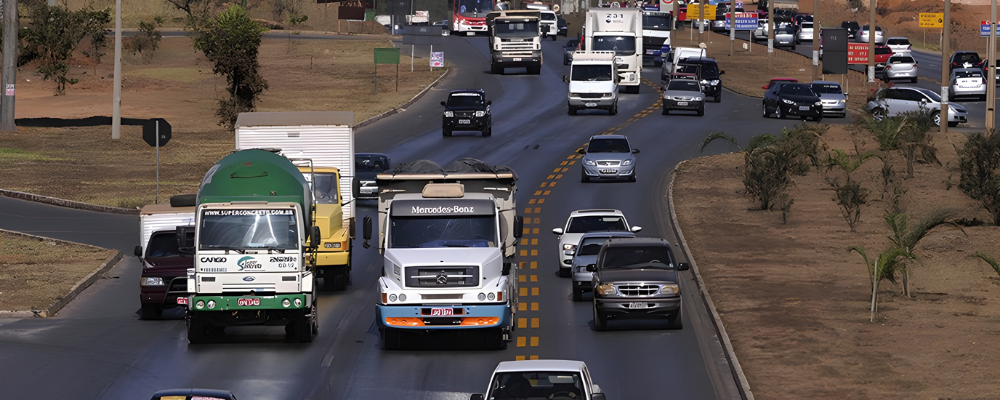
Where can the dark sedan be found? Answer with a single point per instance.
(965, 59)
(792, 99)
(467, 110)
(367, 166)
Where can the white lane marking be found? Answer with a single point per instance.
(327, 360)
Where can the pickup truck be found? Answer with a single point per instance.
(636, 278)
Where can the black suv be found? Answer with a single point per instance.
(637, 278)
(467, 110)
(852, 28)
(708, 73)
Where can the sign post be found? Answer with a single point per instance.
(931, 20)
(387, 55)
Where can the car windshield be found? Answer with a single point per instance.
(517, 29)
(684, 85)
(474, 8)
(441, 231)
(372, 163)
(536, 385)
(325, 188)
(901, 60)
(608, 146)
(591, 73)
(829, 88)
(621, 45)
(968, 74)
(795, 89)
(593, 223)
(164, 244)
(240, 229)
(656, 22)
(590, 246)
(635, 257)
(465, 99)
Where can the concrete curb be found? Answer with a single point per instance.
(734, 364)
(371, 120)
(66, 203)
(88, 280)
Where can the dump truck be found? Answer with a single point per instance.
(618, 30)
(515, 40)
(321, 144)
(253, 230)
(448, 237)
(164, 265)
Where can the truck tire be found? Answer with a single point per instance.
(676, 320)
(446, 132)
(391, 339)
(197, 329)
(496, 69)
(300, 329)
(338, 283)
(495, 339)
(577, 294)
(150, 311)
(572, 110)
(183, 200)
(600, 319)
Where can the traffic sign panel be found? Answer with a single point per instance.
(744, 21)
(931, 20)
(857, 53)
(984, 28)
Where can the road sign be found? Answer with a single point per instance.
(744, 21)
(615, 5)
(739, 4)
(984, 28)
(932, 20)
(857, 53)
(149, 131)
(694, 12)
(437, 59)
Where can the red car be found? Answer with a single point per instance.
(779, 80)
(882, 54)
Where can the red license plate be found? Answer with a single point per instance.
(248, 302)
(182, 300)
(442, 312)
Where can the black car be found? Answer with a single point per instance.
(562, 26)
(367, 166)
(966, 59)
(467, 110)
(568, 50)
(795, 99)
(782, 15)
(189, 394)
(852, 28)
(708, 74)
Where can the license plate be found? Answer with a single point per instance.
(464, 121)
(182, 300)
(608, 171)
(636, 305)
(682, 103)
(470, 33)
(248, 302)
(803, 108)
(590, 104)
(442, 312)
(517, 59)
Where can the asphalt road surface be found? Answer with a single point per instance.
(97, 348)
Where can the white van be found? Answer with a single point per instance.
(593, 82)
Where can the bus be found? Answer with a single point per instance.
(469, 16)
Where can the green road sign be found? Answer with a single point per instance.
(387, 56)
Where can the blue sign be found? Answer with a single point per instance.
(744, 21)
(984, 28)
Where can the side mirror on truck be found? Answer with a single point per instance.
(314, 236)
(355, 188)
(476, 396)
(443, 103)
(185, 239)
(518, 226)
(367, 231)
(565, 78)
(138, 251)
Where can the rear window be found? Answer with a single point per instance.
(796, 89)
(898, 41)
(807, 25)
(830, 88)
(967, 57)
(901, 60)
(968, 74)
(883, 50)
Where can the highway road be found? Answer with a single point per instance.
(97, 348)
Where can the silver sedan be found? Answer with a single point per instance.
(683, 94)
(967, 82)
(608, 157)
(900, 66)
(832, 96)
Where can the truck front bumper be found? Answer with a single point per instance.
(419, 317)
(332, 258)
(639, 307)
(605, 103)
(509, 61)
(165, 295)
(250, 310)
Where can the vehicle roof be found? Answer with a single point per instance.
(826, 83)
(295, 118)
(902, 54)
(480, 91)
(899, 37)
(607, 137)
(598, 211)
(637, 241)
(540, 365)
(224, 394)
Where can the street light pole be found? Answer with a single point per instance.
(991, 76)
(871, 41)
(770, 29)
(945, 66)
(815, 43)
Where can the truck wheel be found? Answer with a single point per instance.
(488, 131)
(391, 339)
(495, 339)
(300, 329)
(572, 110)
(197, 328)
(151, 311)
(600, 319)
(577, 294)
(614, 109)
(676, 320)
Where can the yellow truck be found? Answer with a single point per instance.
(321, 144)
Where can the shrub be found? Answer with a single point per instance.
(147, 41)
(979, 161)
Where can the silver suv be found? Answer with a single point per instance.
(608, 157)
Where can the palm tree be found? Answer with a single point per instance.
(881, 268)
(907, 239)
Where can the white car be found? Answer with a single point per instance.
(541, 379)
(805, 33)
(899, 44)
(862, 35)
(581, 222)
(967, 82)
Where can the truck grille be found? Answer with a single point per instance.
(464, 114)
(591, 95)
(638, 290)
(441, 277)
(246, 287)
(522, 46)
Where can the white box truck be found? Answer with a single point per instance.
(618, 30)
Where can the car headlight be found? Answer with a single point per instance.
(843, 101)
(449, 114)
(590, 163)
(704, 82)
(786, 101)
(608, 95)
(392, 297)
(627, 162)
(670, 289)
(569, 247)
(152, 281)
(818, 104)
(606, 289)
(631, 77)
(480, 113)
(714, 82)
(697, 99)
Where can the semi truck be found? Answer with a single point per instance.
(448, 237)
(164, 265)
(515, 40)
(253, 230)
(618, 30)
(656, 26)
(321, 143)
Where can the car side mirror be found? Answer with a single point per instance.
(366, 231)
(489, 102)
(683, 266)
(565, 79)
(518, 226)
(558, 231)
(581, 151)
(591, 267)
(138, 251)
(636, 229)
(476, 396)
(443, 103)
(722, 72)
(635, 151)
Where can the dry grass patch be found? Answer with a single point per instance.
(36, 273)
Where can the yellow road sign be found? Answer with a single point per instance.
(932, 20)
(694, 12)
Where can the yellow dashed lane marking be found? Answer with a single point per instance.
(534, 265)
(534, 341)
(534, 278)
(534, 242)
(534, 322)
(534, 252)
(534, 306)
(532, 357)
(522, 306)
(534, 231)
(522, 278)
(534, 291)
(522, 323)
(541, 201)
(522, 341)
(546, 193)
(523, 292)
(559, 176)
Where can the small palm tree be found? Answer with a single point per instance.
(881, 268)
(907, 239)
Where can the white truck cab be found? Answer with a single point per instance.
(549, 27)
(593, 82)
(541, 379)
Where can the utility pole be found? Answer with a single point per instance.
(871, 41)
(945, 41)
(677, 11)
(116, 105)
(991, 76)
(770, 29)
(701, 21)
(9, 65)
(816, 38)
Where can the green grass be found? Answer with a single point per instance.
(178, 74)
(11, 156)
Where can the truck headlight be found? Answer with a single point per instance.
(392, 297)
(631, 77)
(670, 289)
(297, 302)
(569, 247)
(402, 297)
(481, 297)
(606, 289)
(480, 113)
(490, 296)
(200, 304)
(211, 304)
(449, 114)
(152, 281)
(285, 303)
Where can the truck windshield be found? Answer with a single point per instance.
(325, 189)
(248, 229)
(592, 73)
(474, 8)
(656, 22)
(633, 257)
(621, 45)
(517, 29)
(441, 231)
(536, 385)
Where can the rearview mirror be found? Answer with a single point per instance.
(518, 226)
(636, 229)
(764, 87)
(722, 72)
(683, 266)
(635, 151)
(138, 251)
(314, 236)
(591, 267)
(565, 79)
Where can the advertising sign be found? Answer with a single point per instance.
(437, 59)
(744, 21)
(857, 53)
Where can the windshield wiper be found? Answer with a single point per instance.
(269, 249)
(226, 248)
